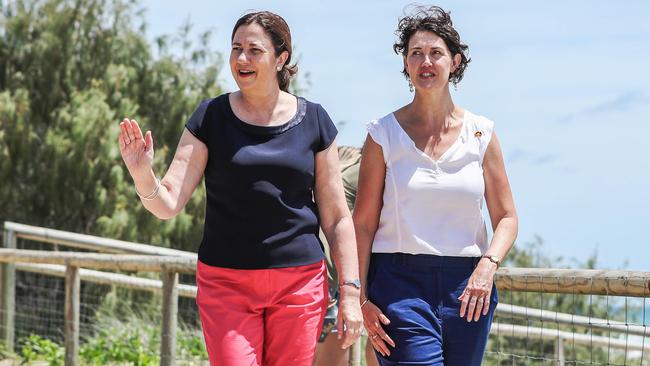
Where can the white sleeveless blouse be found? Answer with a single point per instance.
(432, 207)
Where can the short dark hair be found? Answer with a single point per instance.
(432, 19)
(278, 30)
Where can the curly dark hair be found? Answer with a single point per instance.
(278, 30)
(433, 19)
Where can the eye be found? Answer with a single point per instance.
(236, 48)
(416, 52)
(256, 50)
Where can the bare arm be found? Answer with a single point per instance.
(500, 203)
(337, 226)
(181, 179)
(367, 207)
(367, 210)
(498, 196)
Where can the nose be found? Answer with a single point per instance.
(427, 60)
(241, 58)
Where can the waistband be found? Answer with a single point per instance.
(425, 260)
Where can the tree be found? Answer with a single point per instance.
(69, 71)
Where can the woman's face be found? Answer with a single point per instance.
(253, 62)
(429, 62)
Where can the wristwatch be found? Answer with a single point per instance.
(354, 283)
(492, 258)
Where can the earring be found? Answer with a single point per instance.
(279, 67)
(411, 86)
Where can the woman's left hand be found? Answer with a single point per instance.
(476, 297)
(349, 321)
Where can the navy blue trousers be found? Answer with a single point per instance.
(419, 295)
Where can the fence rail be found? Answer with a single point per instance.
(125, 256)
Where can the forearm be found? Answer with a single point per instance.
(343, 249)
(163, 203)
(504, 236)
(364, 247)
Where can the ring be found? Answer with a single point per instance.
(481, 300)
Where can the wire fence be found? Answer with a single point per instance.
(543, 317)
(119, 312)
(564, 327)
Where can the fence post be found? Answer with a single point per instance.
(355, 353)
(559, 351)
(8, 284)
(169, 318)
(72, 294)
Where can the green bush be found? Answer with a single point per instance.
(37, 348)
(122, 344)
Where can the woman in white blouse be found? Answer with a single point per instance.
(427, 267)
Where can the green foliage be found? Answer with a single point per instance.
(36, 348)
(4, 352)
(190, 346)
(69, 72)
(135, 343)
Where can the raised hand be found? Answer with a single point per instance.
(136, 149)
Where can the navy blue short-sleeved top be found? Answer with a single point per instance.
(259, 181)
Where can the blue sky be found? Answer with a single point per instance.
(567, 84)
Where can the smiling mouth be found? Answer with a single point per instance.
(246, 73)
(426, 75)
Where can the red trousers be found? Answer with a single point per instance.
(269, 317)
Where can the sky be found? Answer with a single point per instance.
(566, 83)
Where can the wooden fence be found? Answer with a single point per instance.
(75, 266)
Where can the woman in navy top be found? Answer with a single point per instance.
(271, 172)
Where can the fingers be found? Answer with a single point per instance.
(373, 320)
(384, 336)
(464, 299)
(136, 129)
(473, 304)
(471, 307)
(120, 138)
(130, 129)
(339, 326)
(130, 132)
(486, 306)
(148, 141)
(123, 132)
(479, 308)
(350, 336)
(379, 345)
(350, 329)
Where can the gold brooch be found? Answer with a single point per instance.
(478, 134)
